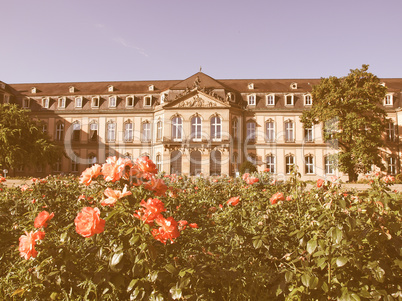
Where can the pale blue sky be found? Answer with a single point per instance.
(103, 40)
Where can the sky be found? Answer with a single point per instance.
(126, 40)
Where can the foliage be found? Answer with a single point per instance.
(321, 244)
(247, 167)
(22, 141)
(350, 108)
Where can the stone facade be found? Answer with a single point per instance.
(197, 125)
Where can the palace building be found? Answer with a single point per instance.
(199, 125)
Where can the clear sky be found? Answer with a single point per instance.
(104, 40)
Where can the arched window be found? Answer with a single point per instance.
(159, 130)
(111, 132)
(270, 159)
(59, 131)
(177, 128)
(289, 161)
(216, 128)
(270, 131)
(93, 131)
(289, 131)
(235, 124)
(195, 163)
(250, 126)
(215, 163)
(175, 162)
(128, 131)
(159, 162)
(146, 132)
(76, 131)
(308, 164)
(196, 127)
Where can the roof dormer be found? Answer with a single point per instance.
(251, 86)
(293, 86)
(71, 89)
(110, 88)
(34, 90)
(151, 87)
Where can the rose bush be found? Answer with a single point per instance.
(121, 232)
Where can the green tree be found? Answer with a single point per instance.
(22, 141)
(351, 110)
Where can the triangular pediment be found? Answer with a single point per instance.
(200, 80)
(197, 99)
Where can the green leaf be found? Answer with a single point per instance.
(175, 292)
(311, 245)
(305, 278)
(132, 284)
(115, 260)
(288, 276)
(170, 268)
(257, 243)
(341, 261)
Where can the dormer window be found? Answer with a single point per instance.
(112, 101)
(61, 102)
(308, 101)
(2, 85)
(110, 88)
(388, 100)
(130, 101)
(231, 97)
(95, 102)
(33, 90)
(382, 84)
(78, 102)
(147, 101)
(251, 86)
(71, 89)
(6, 98)
(45, 102)
(289, 99)
(151, 87)
(163, 97)
(293, 86)
(270, 99)
(251, 100)
(25, 103)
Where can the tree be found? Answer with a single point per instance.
(247, 166)
(351, 110)
(22, 141)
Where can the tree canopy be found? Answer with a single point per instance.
(350, 108)
(22, 141)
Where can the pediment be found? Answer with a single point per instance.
(197, 99)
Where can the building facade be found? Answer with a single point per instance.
(195, 126)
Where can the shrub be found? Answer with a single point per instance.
(247, 167)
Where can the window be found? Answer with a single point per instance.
(128, 131)
(251, 100)
(388, 101)
(110, 88)
(44, 128)
(95, 102)
(308, 134)
(329, 165)
(271, 163)
(392, 165)
(270, 131)
(151, 87)
(251, 86)
(215, 163)
(6, 98)
(308, 100)
(290, 161)
(93, 131)
(159, 130)
(195, 163)
(196, 128)
(146, 132)
(33, 90)
(71, 89)
(231, 97)
(59, 131)
(250, 126)
(289, 132)
(92, 159)
(147, 101)
(177, 128)
(235, 125)
(45, 102)
(391, 131)
(293, 86)
(61, 102)
(309, 164)
(163, 97)
(57, 165)
(74, 166)
(111, 132)
(216, 128)
(78, 102)
(270, 99)
(112, 101)
(76, 131)
(25, 103)
(175, 162)
(129, 101)
(289, 98)
(159, 162)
